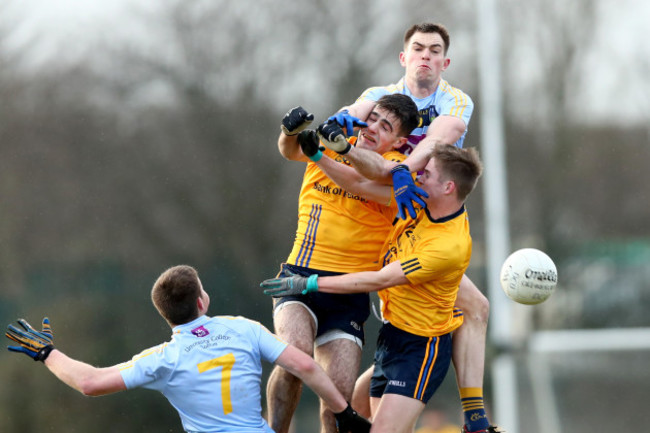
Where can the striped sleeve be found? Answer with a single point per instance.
(456, 103)
(426, 266)
(410, 266)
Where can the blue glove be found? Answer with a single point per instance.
(34, 344)
(406, 191)
(293, 285)
(347, 121)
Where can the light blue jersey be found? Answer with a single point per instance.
(445, 101)
(210, 372)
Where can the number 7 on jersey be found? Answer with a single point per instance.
(227, 362)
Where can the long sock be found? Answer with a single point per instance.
(475, 417)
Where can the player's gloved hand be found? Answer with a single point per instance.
(296, 120)
(293, 285)
(345, 120)
(406, 191)
(333, 137)
(349, 421)
(37, 345)
(310, 144)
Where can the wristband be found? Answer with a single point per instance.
(400, 167)
(317, 156)
(312, 284)
(44, 353)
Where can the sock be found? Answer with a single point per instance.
(475, 417)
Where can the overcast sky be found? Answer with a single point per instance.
(64, 23)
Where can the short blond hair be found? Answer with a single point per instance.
(463, 166)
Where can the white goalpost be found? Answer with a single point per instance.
(496, 209)
(585, 365)
(586, 341)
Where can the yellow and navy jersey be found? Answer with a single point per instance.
(338, 231)
(434, 255)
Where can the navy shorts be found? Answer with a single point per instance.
(408, 364)
(347, 313)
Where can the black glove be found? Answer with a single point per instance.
(296, 120)
(349, 421)
(310, 144)
(333, 137)
(34, 344)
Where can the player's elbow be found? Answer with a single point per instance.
(305, 367)
(90, 387)
(99, 382)
(298, 364)
(286, 154)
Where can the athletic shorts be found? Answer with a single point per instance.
(408, 364)
(346, 313)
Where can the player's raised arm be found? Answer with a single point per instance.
(295, 121)
(344, 176)
(352, 115)
(443, 130)
(372, 166)
(369, 164)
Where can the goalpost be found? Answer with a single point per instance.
(584, 341)
(583, 354)
(548, 355)
(496, 215)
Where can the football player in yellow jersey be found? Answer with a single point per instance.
(424, 261)
(446, 113)
(338, 232)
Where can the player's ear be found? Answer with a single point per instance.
(446, 63)
(401, 141)
(401, 58)
(450, 187)
(201, 304)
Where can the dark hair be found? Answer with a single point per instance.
(175, 292)
(404, 109)
(463, 166)
(428, 28)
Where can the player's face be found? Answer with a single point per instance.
(381, 134)
(432, 182)
(424, 57)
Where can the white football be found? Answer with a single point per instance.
(528, 276)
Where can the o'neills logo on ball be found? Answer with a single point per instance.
(541, 276)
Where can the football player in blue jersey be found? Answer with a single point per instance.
(445, 111)
(210, 370)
